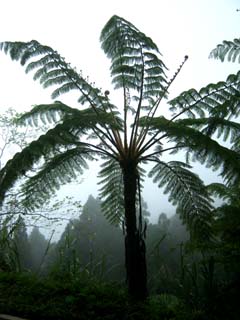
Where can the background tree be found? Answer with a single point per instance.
(38, 248)
(21, 245)
(126, 139)
(93, 244)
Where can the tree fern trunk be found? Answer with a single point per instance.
(134, 244)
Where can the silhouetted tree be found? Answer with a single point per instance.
(125, 139)
(38, 247)
(96, 244)
(21, 245)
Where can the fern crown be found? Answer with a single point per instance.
(135, 135)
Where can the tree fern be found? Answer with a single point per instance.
(126, 141)
(111, 191)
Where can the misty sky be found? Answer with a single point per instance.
(72, 27)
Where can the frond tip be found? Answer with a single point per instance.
(135, 59)
(228, 49)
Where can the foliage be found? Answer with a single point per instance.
(227, 227)
(183, 284)
(137, 69)
(50, 299)
(90, 246)
(21, 245)
(15, 249)
(228, 49)
(126, 139)
(25, 295)
(175, 176)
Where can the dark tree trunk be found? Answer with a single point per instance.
(135, 251)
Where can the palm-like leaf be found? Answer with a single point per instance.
(201, 146)
(221, 99)
(223, 128)
(229, 194)
(186, 190)
(47, 146)
(72, 117)
(228, 49)
(56, 143)
(111, 192)
(220, 190)
(60, 147)
(47, 114)
(52, 70)
(61, 169)
(135, 59)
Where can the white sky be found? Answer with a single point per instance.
(72, 27)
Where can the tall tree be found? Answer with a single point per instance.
(38, 247)
(93, 244)
(21, 245)
(125, 139)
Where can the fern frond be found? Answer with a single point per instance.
(220, 99)
(135, 58)
(220, 190)
(77, 121)
(62, 137)
(223, 128)
(52, 70)
(111, 192)
(228, 49)
(59, 170)
(186, 190)
(47, 113)
(236, 144)
(202, 148)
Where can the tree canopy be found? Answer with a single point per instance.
(126, 137)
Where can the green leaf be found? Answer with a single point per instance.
(202, 148)
(220, 190)
(47, 113)
(221, 99)
(186, 190)
(46, 146)
(228, 49)
(52, 70)
(111, 192)
(135, 62)
(223, 128)
(57, 171)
